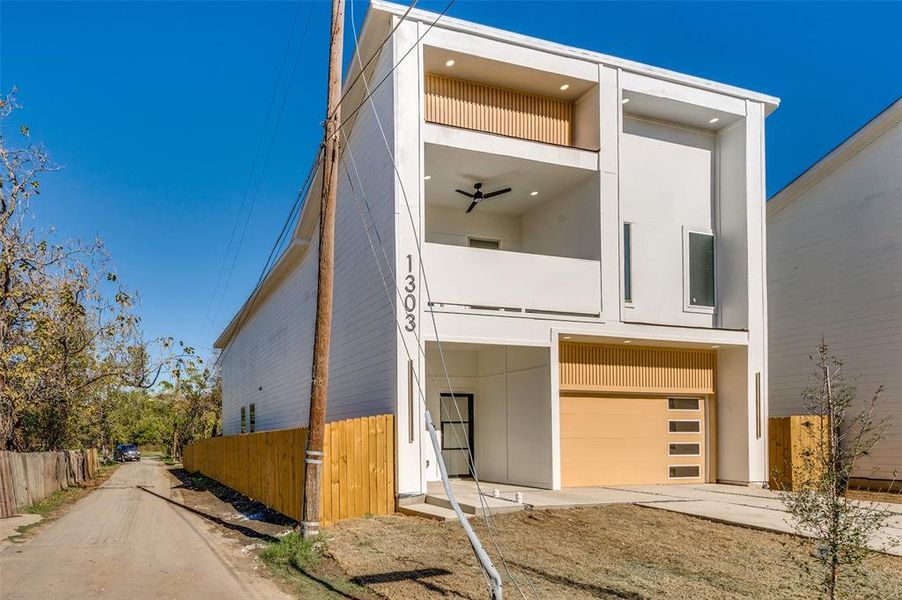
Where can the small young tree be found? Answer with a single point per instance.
(841, 527)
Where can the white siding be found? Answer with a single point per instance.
(274, 347)
(835, 270)
(273, 351)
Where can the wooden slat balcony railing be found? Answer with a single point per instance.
(497, 110)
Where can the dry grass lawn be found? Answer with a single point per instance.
(889, 497)
(617, 551)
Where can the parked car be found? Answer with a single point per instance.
(126, 452)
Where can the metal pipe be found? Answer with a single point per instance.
(481, 555)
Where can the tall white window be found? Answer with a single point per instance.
(628, 262)
(699, 270)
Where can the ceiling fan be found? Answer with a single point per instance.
(478, 196)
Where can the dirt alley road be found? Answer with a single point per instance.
(123, 542)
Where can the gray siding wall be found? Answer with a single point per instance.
(835, 270)
(273, 349)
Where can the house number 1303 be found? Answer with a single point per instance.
(410, 301)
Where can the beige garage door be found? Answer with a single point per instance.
(623, 440)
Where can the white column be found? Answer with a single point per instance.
(757, 286)
(408, 225)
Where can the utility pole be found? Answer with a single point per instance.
(316, 424)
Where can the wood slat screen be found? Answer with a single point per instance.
(358, 467)
(492, 109)
(605, 368)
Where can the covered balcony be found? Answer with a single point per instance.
(533, 249)
(479, 94)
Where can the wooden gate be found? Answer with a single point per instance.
(792, 442)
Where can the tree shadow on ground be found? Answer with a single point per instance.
(419, 576)
(246, 531)
(595, 590)
(248, 508)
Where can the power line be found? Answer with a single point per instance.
(375, 52)
(395, 66)
(489, 520)
(274, 251)
(250, 175)
(353, 82)
(264, 164)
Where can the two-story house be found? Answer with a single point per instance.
(559, 253)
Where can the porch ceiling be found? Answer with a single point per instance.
(506, 75)
(674, 111)
(451, 168)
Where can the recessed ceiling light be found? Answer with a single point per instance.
(624, 101)
(449, 62)
(714, 120)
(533, 193)
(427, 177)
(627, 341)
(715, 346)
(567, 337)
(565, 87)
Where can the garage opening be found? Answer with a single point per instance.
(633, 416)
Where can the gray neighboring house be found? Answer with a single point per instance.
(834, 269)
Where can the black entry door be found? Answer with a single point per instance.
(457, 432)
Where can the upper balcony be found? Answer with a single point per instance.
(534, 248)
(482, 95)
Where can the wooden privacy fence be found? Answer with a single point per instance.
(793, 443)
(27, 477)
(358, 467)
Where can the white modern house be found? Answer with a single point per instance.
(834, 263)
(597, 317)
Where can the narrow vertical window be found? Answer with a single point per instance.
(701, 269)
(253, 418)
(628, 262)
(243, 420)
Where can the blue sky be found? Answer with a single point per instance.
(156, 111)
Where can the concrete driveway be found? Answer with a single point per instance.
(123, 542)
(731, 504)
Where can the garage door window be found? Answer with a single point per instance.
(683, 449)
(684, 471)
(684, 426)
(682, 404)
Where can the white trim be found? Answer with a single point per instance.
(476, 29)
(503, 145)
(687, 304)
(554, 361)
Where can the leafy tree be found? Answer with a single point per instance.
(194, 403)
(841, 527)
(69, 333)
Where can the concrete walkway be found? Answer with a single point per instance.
(122, 542)
(732, 504)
